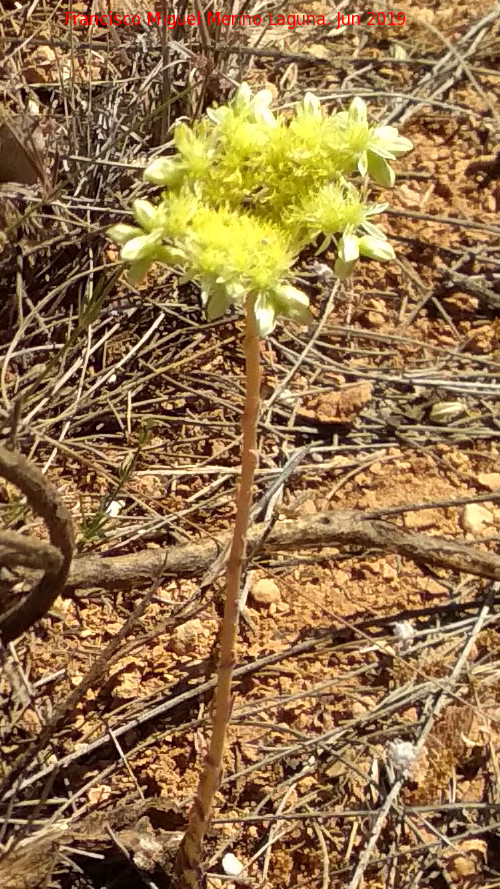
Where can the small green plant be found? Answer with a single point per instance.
(245, 193)
(93, 526)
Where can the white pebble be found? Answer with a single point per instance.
(231, 865)
(402, 754)
(404, 632)
(115, 507)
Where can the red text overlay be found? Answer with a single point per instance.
(339, 20)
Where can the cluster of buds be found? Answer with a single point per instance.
(247, 190)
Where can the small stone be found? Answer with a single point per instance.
(401, 754)
(115, 507)
(431, 586)
(363, 706)
(374, 319)
(231, 865)
(444, 412)
(389, 572)
(475, 517)
(287, 398)
(341, 577)
(265, 592)
(422, 518)
(378, 305)
(404, 632)
(186, 638)
(490, 480)
(463, 863)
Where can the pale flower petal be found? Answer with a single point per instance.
(265, 116)
(145, 214)
(243, 97)
(139, 248)
(380, 171)
(217, 115)
(263, 99)
(373, 230)
(389, 140)
(348, 248)
(122, 233)
(265, 316)
(312, 105)
(363, 163)
(357, 111)
(375, 209)
(375, 248)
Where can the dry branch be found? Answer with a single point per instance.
(54, 558)
(340, 527)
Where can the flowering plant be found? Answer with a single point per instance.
(247, 190)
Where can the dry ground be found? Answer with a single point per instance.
(129, 401)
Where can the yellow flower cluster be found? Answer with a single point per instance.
(247, 190)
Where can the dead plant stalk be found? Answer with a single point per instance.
(187, 869)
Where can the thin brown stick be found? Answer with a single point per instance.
(44, 500)
(187, 869)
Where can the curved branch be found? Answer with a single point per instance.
(335, 528)
(54, 558)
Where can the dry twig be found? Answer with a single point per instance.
(338, 527)
(54, 559)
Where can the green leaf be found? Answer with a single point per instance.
(138, 271)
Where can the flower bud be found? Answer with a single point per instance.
(293, 304)
(138, 271)
(145, 214)
(216, 302)
(162, 171)
(343, 269)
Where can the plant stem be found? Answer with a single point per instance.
(188, 869)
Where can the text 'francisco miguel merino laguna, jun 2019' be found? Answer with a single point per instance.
(170, 21)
